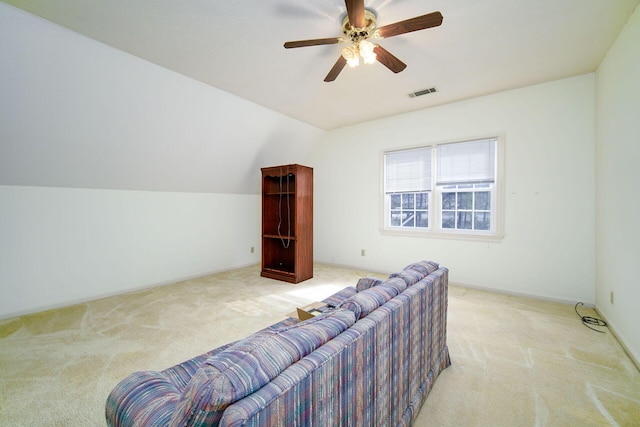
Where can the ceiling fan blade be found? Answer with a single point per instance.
(387, 59)
(337, 67)
(312, 42)
(355, 10)
(418, 23)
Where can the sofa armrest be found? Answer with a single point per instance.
(142, 399)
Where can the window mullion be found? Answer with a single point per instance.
(435, 214)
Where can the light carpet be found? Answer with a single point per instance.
(515, 361)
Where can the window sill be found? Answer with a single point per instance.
(453, 235)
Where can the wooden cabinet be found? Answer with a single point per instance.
(287, 223)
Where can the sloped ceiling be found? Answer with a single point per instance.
(237, 46)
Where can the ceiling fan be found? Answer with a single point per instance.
(360, 25)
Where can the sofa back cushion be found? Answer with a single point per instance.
(335, 299)
(415, 272)
(250, 364)
(397, 283)
(367, 282)
(363, 303)
(425, 267)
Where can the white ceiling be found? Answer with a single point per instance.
(237, 46)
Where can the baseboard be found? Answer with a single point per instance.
(519, 294)
(73, 302)
(634, 357)
(468, 286)
(354, 267)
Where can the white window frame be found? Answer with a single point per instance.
(434, 229)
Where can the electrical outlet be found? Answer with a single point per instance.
(252, 249)
(361, 252)
(611, 295)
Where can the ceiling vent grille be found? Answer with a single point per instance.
(423, 92)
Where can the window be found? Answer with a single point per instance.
(408, 184)
(448, 190)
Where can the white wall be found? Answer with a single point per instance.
(77, 113)
(61, 245)
(117, 174)
(548, 249)
(617, 178)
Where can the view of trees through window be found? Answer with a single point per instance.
(410, 209)
(466, 206)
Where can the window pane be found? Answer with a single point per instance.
(482, 220)
(465, 201)
(408, 201)
(483, 201)
(422, 200)
(395, 201)
(448, 200)
(448, 220)
(408, 219)
(395, 218)
(464, 220)
(422, 219)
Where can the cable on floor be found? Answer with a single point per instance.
(588, 320)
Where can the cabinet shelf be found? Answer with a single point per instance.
(287, 223)
(280, 193)
(278, 237)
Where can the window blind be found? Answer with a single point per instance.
(466, 162)
(408, 170)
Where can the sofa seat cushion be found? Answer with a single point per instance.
(363, 303)
(250, 364)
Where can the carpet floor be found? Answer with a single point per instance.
(515, 361)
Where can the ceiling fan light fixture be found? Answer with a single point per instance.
(350, 53)
(366, 47)
(366, 51)
(370, 58)
(354, 62)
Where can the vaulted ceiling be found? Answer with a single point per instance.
(237, 46)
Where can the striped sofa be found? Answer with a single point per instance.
(369, 359)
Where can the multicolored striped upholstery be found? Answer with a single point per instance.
(148, 398)
(374, 372)
(250, 364)
(413, 273)
(397, 283)
(367, 282)
(335, 299)
(368, 300)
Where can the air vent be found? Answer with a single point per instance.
(423, 92)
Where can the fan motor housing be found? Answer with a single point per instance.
(357, 34)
